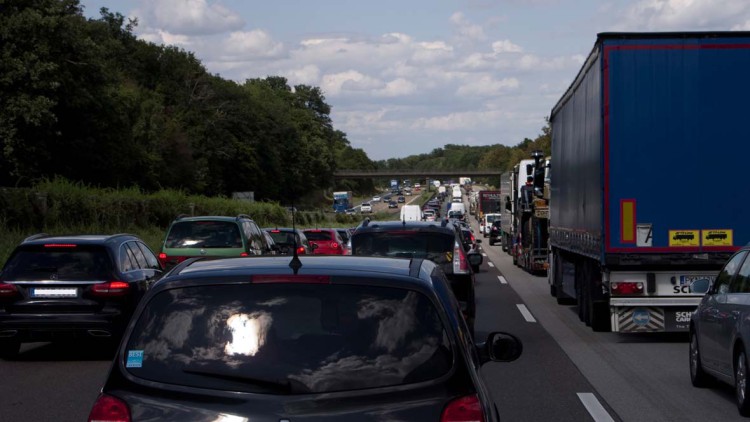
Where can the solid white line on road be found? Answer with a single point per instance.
(525, 312)
(502, 279)
(490, 264)
(484, 254)
(595, 408)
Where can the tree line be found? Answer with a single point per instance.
(86, 100)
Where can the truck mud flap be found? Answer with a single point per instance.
(644, 319)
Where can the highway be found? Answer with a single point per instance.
(566, 373)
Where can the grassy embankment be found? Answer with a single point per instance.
(63, 207)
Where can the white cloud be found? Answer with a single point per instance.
(465, 28)
(189, 17)
(351, 80)
(505, 46)
(486, 86)
(397, 88)
(665, 15)
(251, 45)
(166, 38)
(308, 75)
(462, 120)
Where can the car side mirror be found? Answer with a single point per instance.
(475, 259)
(500, 347)
(700, 286)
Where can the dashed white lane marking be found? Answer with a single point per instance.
(484, 254)
(502, 279)
(491, 264)
(525, 312)
(596, 410)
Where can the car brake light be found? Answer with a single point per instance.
(60, 245)
(109, 409)
(163, 259)
(463, 409)
(244, 254)
(460, 266)
(291, 278)
(627, 288)
(334, 245)
(7, 290)
(301, 250)
(275, 231)
(110, 288)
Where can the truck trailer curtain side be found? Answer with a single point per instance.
(647, 160)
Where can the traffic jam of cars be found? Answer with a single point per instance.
(296, 315)
(250, 321)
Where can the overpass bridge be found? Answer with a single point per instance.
(414, 174)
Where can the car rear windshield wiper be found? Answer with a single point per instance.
(279, 386)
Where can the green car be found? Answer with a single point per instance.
(216, 236)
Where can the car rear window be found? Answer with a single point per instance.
(204, 234)
(288, 338)
(282, 238)
(318, 235)
(67, 263)
(437, 247)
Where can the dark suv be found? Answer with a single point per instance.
(71, 287)
(441, 242)
(496, 233)
(217, 236)
(324, 338)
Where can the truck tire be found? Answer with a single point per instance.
(597, 312)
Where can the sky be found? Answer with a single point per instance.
(404, 77)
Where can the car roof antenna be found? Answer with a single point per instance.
(295, 264)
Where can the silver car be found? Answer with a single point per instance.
(719, 330)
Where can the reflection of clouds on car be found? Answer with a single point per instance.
(396, 319)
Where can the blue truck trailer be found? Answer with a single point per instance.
(342, 201)
(648, 186)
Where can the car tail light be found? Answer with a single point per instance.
(460, 265)
(60, 245)
(334, 245)
(627, 288)
(110, 288)
(463, 409)
(244, 254)
(291, 278)
(301, 250)
(109, 409)
(163, 259)
(8, 290)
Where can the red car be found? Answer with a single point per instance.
(325, 242)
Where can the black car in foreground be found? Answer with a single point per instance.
(439, 241)
(332, 338)
(72, 287)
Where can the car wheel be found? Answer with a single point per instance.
(740, 384)
(9, 349)
(698, 376)
(475, 268)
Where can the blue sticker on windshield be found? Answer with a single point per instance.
(135, 359)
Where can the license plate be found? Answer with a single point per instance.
(54, 292)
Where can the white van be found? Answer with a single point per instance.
(411, 213)
(458, 207)
(486, 223)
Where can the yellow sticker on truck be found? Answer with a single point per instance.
(684, 238)
(719, 237)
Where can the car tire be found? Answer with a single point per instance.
(741, 383)
(698, 377)
(475, 268)
(9, 349)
